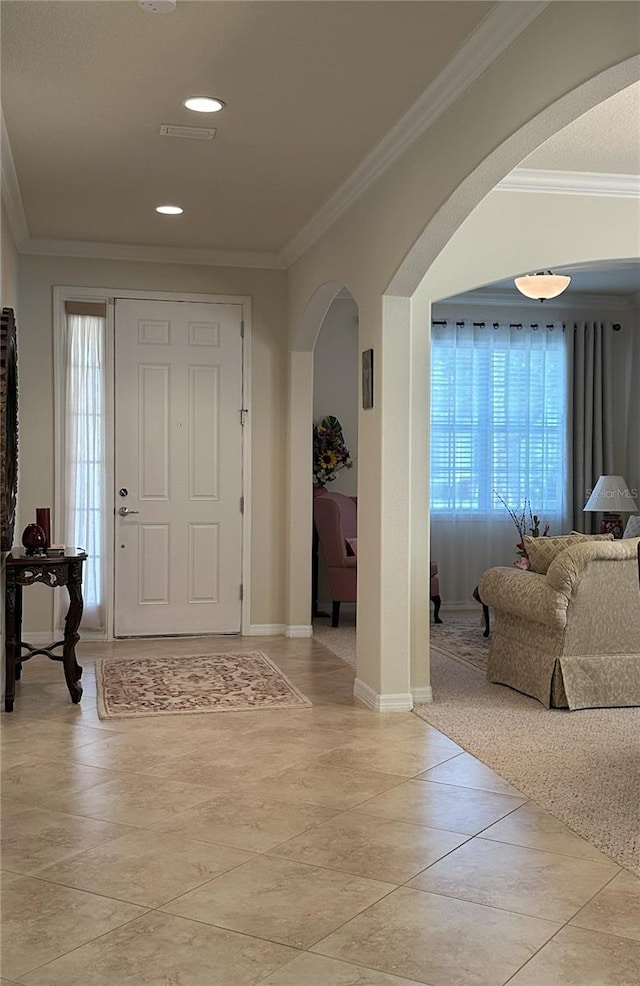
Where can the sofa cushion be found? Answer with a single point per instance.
(542, 551)
(632, 530)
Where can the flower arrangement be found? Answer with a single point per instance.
(526, 523)
(330, 454)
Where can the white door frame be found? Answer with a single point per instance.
(61, 294)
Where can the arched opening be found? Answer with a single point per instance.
(395, 665)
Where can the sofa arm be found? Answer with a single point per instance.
(524, 594)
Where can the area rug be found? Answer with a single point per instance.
(461, 637)
(583, 767)
(159, 686)
(458, 636)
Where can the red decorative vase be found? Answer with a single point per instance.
(319, 490)
(34, 540)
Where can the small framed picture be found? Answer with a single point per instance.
(367, 379)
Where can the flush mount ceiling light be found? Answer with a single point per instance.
(542, 285)
(169, 210)
(203, 104)
(157, 6)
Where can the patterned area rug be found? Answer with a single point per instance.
(460, 637)
(160, 686)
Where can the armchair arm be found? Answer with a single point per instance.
(524, 594)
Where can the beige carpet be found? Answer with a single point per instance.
(158, 686)
(583, 767)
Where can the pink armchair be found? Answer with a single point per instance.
(336, 518)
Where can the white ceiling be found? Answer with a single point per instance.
(311, 88)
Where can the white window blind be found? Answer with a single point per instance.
(498, 419)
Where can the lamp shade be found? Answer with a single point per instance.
(611, 495)
(542, 285)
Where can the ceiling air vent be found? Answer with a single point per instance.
(191, 133)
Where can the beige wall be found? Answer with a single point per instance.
(570, 58)
(335, 381)
(38, 275)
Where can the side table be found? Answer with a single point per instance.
(21, 570)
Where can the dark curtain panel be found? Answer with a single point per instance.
(591, 424)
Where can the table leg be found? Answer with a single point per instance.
(72, 670)
(13, 630)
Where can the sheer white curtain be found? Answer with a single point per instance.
(498, 429)
(85, 465)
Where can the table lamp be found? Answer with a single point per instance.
(612, 496)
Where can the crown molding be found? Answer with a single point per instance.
(151, 254)
(571, 183)
(513, 299)
(11, 191)
(492, 36)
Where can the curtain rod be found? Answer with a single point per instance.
(513, 325)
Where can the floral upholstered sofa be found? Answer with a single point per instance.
(569, 635)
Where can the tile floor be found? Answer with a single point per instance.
(321, 847)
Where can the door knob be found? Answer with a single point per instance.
(125, 511)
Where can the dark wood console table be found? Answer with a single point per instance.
(21, 570)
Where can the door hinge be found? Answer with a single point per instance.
(242, 329)
(241, 591)
(243, 415)
(241, 504)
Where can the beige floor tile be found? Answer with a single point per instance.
(318, 970)
(442, 806)
(283, 901)
(133, 799)
(534, 827)
(42, 921)
(465, 771)
(615, 910)
(40, 738)
(377, 848)
(439, 941)
(404, 755)
(332, 787)
(583, 958)
(224, 765)
(145, 868)
(162, 950)
(528, 881)
(46, 784)
(135, 754)
(39, 838)
(8, 809)
(245, 822)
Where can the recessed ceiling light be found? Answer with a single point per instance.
(204, 104)
(169, 210)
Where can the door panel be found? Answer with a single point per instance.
(178, 441)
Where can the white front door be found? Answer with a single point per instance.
(178, 468)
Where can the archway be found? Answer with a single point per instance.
(394, 668)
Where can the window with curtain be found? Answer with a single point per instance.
(498, 430)
(498, 418)
(85, 450)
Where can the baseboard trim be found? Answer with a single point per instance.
(422, 695)
(299, 631)
(398, 702)
(266, 630)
